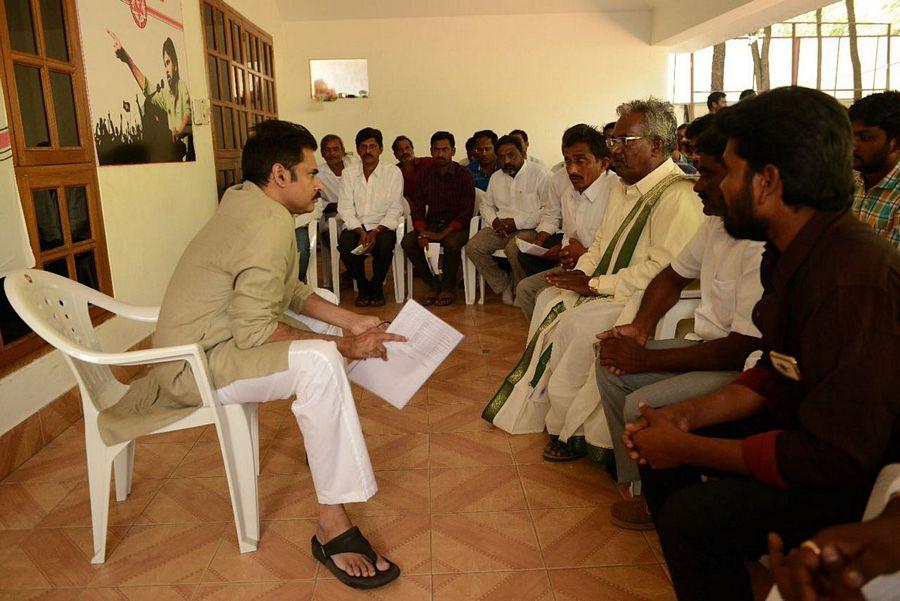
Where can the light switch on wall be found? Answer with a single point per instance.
(200, 111)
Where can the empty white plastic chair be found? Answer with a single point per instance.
(56, 308)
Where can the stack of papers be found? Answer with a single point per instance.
(531, 249)
(433, 256)
(409, 364)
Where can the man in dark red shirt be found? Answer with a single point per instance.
(442, 205)
(796, 441)
(410, 165)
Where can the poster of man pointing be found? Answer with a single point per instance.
(138, 89)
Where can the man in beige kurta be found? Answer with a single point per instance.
(266, 335)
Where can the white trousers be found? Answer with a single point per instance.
(325, 412)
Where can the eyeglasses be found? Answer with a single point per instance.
(622, 140)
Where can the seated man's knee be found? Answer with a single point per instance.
(632, 410)
(511, 248)
(348, 240)
(410, 242)
(386, 240)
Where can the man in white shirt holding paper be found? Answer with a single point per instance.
(371, 206)
(511, 209)
(574, 198)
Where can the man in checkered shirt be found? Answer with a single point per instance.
(876, 152)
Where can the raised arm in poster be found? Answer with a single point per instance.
(138, 90)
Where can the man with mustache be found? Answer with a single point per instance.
(876, 153)
(442, 206)
(632, 371)
(371, 206)
(485, 163)
(511, 209)
(410, 165)
(795, 442)
(575, 199)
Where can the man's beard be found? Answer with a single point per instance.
(875, 164)
(739, 220)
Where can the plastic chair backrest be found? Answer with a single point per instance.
(56, 309)
(479, 197)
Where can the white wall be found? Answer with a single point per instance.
(541, 73)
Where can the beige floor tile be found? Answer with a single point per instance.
(399, 491)
(461, 390)
(204, 460)
(470, 449)
(630, 583)
(154, 461)
(58, 557)
(389, 420)
(55, 463)
(25, 504)
(166, 554)
(263, 591)
(284, 456)
(468, 489)
(183, 592)
(528, 448)
(284, 553)
(457, 417)
(584, 537)
(398, 451)
(269, 425)
(405, 588)
(482, 542)
(405, 539)
(575, 484)
(179, 502)
(75, 509)
(653, 540)
(493, 586)
(288, 496)
(71, 436)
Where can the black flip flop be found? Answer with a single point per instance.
(352, 541)
(559, 446)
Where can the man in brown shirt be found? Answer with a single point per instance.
(797, 440)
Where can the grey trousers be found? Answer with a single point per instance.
(481, 247)
(528, 289)
(621, 396)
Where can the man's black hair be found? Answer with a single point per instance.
(709, 139)
(583, 133)
(879, 110)
(486, 133)
(470, 144)
(443, 135)
(272, 142)
(508, 139)
(805, 134)
(714, 98)
(698, 126)
(610, 125)
(520, 132)
(748, 93)
(367, 133)
(397, 140)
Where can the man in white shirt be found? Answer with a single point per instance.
(511, 209)
(572, 206)
(371, 206)
(523, 137)
(336, 159)
(632, 371)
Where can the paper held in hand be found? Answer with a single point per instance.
(433, 256)
(409, 364)
(531, 249)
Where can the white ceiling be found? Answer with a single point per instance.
(326, 10)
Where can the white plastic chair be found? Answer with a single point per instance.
(397, 263)
(56, 308)
(312, 270)
(684, 309)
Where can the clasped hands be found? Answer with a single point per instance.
(504, 227)
(367, 239)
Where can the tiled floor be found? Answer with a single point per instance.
(467, 511)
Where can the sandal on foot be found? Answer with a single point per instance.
(362, 301)
(446, 298)
(352, 541)
(429, 299)
(558, 452)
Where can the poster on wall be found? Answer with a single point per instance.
(138, 87)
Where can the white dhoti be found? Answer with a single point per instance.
(325, 412)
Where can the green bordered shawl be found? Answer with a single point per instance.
(634, 222)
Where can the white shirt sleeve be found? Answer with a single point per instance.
(551, 208)
(394, 191)
(346, 206)
(489, 205)
(689, 261)
(748, 291)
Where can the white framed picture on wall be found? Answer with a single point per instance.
(331, 79)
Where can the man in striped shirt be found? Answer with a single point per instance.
(876, 152)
